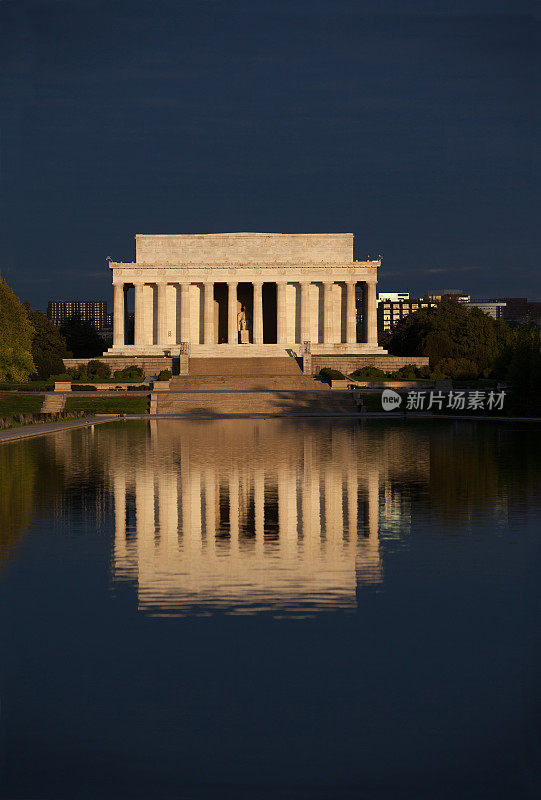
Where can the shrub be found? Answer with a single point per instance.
(63, 376)
(130, 373)
(370, 373)
(98, 369)
(406, 373)
(328, 374)
(143, 387)
(165, 375)
(78, 373)
(83, 387)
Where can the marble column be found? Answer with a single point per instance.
(139, 322)
(118, 315)
(305, 312)
(370, 322)
(328, 316)
(232, 327)
(351, 313)
(185, 312)
(162, 314)
(209, 313)
(258, 314)
(281, 313)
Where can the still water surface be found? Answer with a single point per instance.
(271, 609)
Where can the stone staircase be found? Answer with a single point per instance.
(245, 366)
(258, 403)
(249, 387)
(247, 374)
(53, 403)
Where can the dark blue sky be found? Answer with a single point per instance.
(411, 123)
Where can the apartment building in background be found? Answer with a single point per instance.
(92, 311)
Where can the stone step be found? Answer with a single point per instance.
(53, 403)
(245, 382)
(245, 366)
(250, 403)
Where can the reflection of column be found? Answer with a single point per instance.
(258, 314)
(281, 313)
(119, 490)
(144, 515)
(209, 313)
(210, 507)
(373, 505)
(259, 507)
(315, 502)
(186, 499)
(305, 312)
(333, 506)
(353, 508)
(234, 508)
(168, 512)
(287, 509)
(370, 323)
(306, 499)
(351, 313)
(194, 534)
(162, 313)
(369, 565)
(139, 322)
(232, 329)
(328, 316)
(118, 316)
(185, 312)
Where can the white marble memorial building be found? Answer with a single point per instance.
(236, 294)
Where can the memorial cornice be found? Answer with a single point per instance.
(244, 265)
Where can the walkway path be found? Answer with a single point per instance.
(26, 431)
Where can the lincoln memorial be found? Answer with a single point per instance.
(244, 294)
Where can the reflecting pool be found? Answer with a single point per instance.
(274, 609)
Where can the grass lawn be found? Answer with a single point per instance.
(108, 405)
(11, 404)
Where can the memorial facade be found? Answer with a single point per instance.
(244, 294)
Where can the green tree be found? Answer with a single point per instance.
(455, 336)
(48, 345)
(523, 370)
(15, 337)
(81, 338)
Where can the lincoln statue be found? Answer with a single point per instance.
(228, 294)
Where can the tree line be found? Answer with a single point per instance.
(464, 343)
(32, 347)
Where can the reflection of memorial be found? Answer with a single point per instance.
(248, 514)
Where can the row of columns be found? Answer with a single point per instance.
(369, 313)
(321, 548)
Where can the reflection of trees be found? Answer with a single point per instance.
(17, 478)
(30, 479)
(481, 468)
(48, 474)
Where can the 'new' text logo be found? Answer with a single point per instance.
(390, 399)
